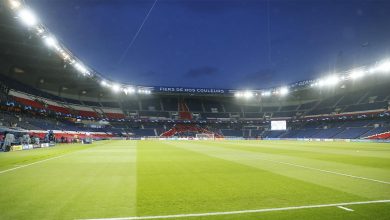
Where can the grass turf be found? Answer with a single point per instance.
(139, 178)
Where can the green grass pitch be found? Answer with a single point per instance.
(115, 179)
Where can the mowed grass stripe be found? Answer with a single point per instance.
(98, 182)
(289, 156)
(367, 189)
(173, 180)
(11, 160)
(379, 150)
(356, 157)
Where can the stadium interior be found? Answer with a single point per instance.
(40, 92)
(312, 149)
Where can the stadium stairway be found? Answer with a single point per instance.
(384, 135)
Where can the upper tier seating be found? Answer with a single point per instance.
(215, 115)
(270, 108)
(212, 106)
(329, 102)
(110, 104)
(351, 98)
(131, 105)
(367, 107)
(252, 115)
(308, 105)
(251, 108)
(90, 103)
(284, 114)
(232, 107)
(195, 105)
(170, 104)
(288, 108)
(151, 104)
(154, 114)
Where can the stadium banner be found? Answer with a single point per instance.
(165, 89)
(27, 146)
(43, 145)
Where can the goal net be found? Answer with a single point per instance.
(205, 136)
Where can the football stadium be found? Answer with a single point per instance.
(77, 143)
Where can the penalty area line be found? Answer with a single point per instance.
(339, 205)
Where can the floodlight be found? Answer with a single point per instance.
(28, 17)
(64, 55)
(237, 94)
(15, 4)
(329, 81)
(81, 68)
(116, 87)
(383, 67)
(144, 91)
(248, 94)
(51, 41)
(129, 90)
(40, 30)
(266, 93)
(283, 91)
(332, 80)
(356, 74)
(103, 83)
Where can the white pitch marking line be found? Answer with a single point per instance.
(327, 171)
(345, 208)
(26, 165)
(241, 211)
(332, 172)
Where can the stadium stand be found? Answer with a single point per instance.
(52, 95)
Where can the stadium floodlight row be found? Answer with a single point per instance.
(27, 17)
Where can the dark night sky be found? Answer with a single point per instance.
(220, 43)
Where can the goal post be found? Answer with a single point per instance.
(205, 136)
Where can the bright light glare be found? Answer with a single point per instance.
(283, 91)
(329, 81)
(64, 55)
(237, 94)
(248, 94)
(51, 42)
(144, 91)
(103, 83)
(383, 67)
(81, 68)
(15, 4)
(356, 74)
(115, 88)
(28, 17)
(129, 90)
(266, 93)
(40, 30)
